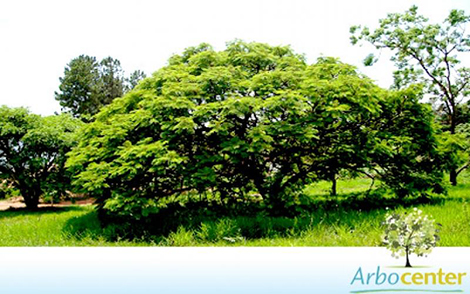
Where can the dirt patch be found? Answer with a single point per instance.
(17, 202)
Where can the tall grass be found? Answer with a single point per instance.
(50, 227)
(332, 226)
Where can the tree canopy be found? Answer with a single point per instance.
(427, 53)
(33, 152)
(251, 123)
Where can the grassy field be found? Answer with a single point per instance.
(79, 226)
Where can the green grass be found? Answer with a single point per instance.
(52, 228)
(335, 226)
(323, 188)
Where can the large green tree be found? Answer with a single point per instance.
(250, 120)
(32, 152)
(88, 85)
(427, 53)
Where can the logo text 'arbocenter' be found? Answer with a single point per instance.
(407, 278)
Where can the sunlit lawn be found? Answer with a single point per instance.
(79, 226)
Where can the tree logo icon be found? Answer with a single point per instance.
(409, 233)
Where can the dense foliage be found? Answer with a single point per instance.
(88, 85)
(32, 152)
(251, 124)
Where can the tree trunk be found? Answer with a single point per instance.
(453, 177)
(333, 185)
(274, 199)
(453, 124)
(407, 258)
(31, 203)
(31, 197)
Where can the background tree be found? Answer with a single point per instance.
(88, 85)
(79, 90)
(32, 152)
(426, 53)
(112, 80)
(134, 78)
(410, 233)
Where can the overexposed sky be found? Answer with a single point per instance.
(38, 38)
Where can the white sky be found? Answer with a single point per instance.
(38, 38)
